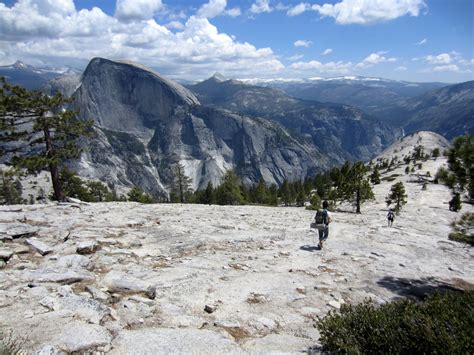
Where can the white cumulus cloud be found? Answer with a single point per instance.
(302, 43)
(261, 6)
(374, 59)
(327, 51)
(443, 58)
(339, 67)
(447, 68)
(366, 12)
(298, 9)
(136, 9)
(446, 62)
(234, 12)
(54, 36)
(212, 9)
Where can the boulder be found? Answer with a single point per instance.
(123, 283)
(87, 247)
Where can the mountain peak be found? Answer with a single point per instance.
(218, 77)
(20, 65)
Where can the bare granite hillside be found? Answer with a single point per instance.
(127, 278)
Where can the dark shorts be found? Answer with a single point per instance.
(323, 233)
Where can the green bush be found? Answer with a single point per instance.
(443, 323)
(463, 229)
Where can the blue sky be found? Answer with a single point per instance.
(414, 40)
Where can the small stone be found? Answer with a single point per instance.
(87, 247)
(139, 299)
(334, 304)
(22, 249)
(301, 290)
(2, 264)
(96, 293)
(256, 298)
(39, 246)
(209, 309)
(5, 255)
(226, 324)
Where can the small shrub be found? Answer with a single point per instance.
(463, 229)
(443, 324)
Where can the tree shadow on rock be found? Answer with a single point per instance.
(417, 289)
(309, 248)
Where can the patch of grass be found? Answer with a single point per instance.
(442, 324)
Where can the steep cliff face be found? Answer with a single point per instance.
(127, 97)
(146, 123)
(341, 132)
(448, 111)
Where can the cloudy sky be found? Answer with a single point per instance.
(415, 40)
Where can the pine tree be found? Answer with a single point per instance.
(208, 196)
(375, 177)
(273, 192)
(285, 193)
(39, 132)
(181, 183)
(315, 202)
(261, 194)
(136, 194)
(229, 192)
(397, 195)
(10, 189)
(356, 187)
(461, 163)
(98, 191)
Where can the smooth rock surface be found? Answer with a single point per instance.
(172, 341)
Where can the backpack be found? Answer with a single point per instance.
(321, 217)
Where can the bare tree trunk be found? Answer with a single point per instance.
(358, 201)
(53, 168)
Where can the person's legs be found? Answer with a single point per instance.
(321, 236)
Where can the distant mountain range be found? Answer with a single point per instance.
(342, 132)
(30, 77)
(444, 109)
(363, 92)
(146, 123)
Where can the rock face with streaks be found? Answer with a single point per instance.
(342, 132)
(226, 279)
(146, 123)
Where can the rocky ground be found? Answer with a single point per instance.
(164, 278)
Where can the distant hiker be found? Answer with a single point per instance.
(455, 203)
(322, 220)
(390, 217)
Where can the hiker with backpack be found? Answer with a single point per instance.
(322, 220)
(390, 217)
